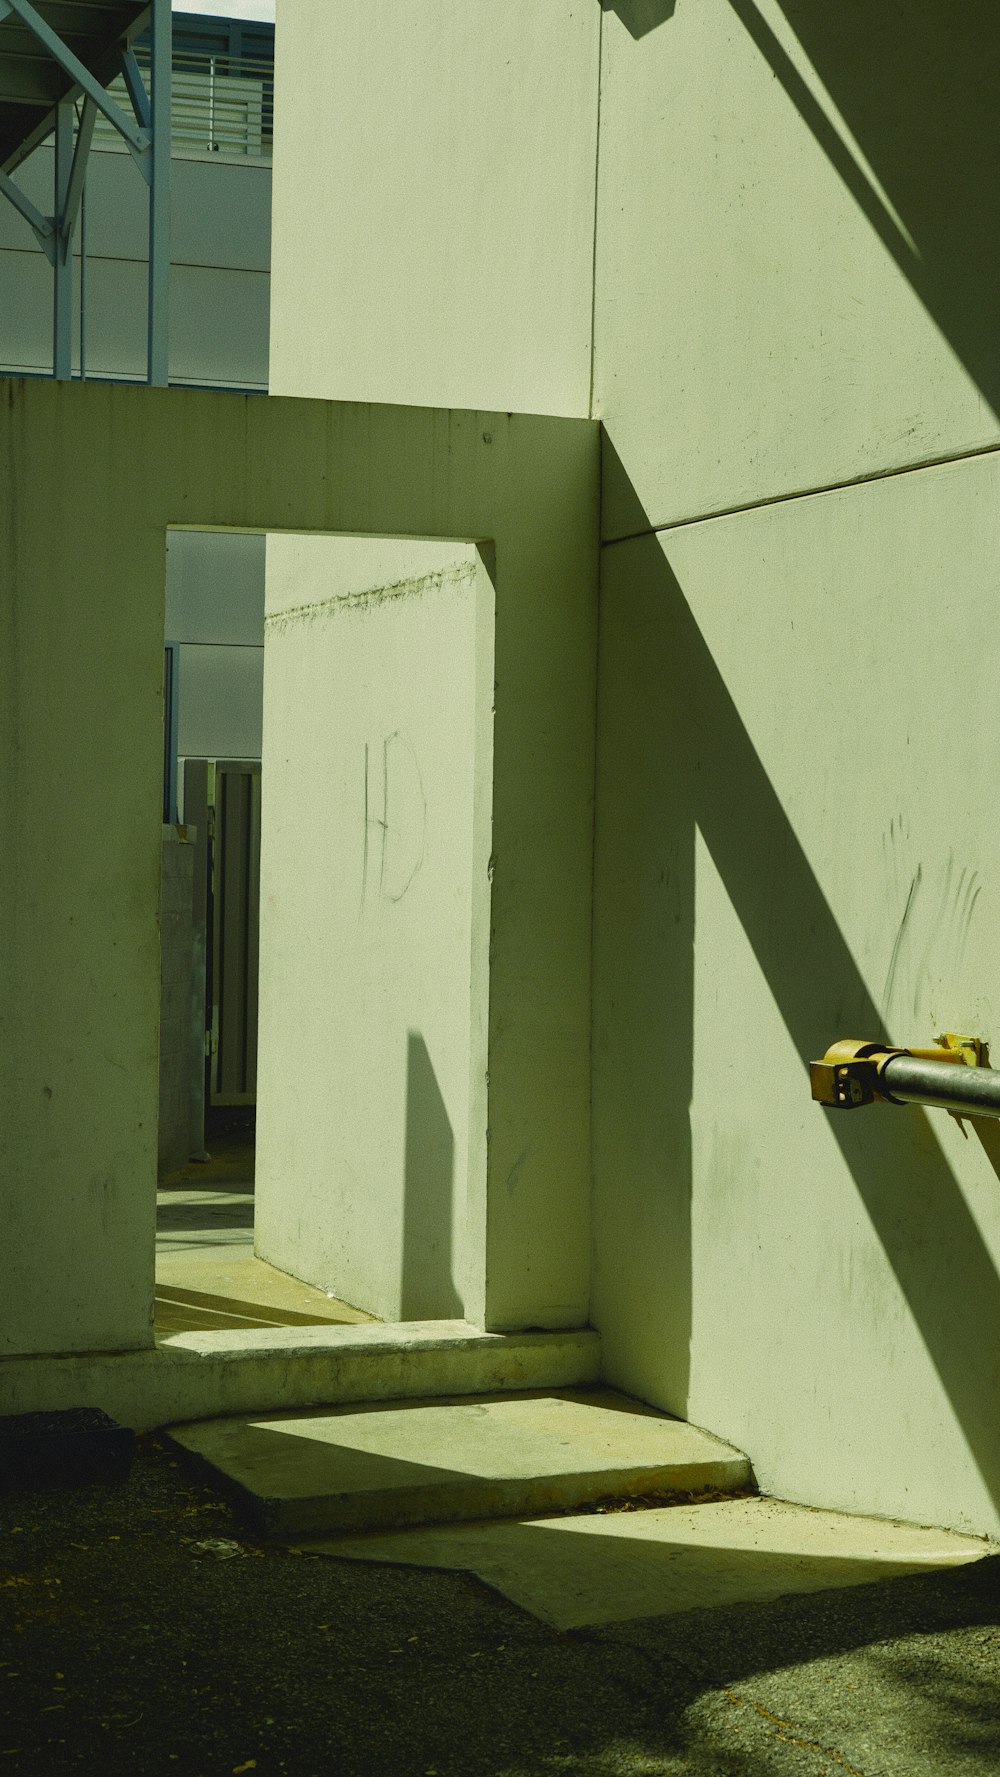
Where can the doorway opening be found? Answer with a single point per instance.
(369, 711)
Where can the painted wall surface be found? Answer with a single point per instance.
(434, 202)
(796, 286)
(81, 639)
(219, 283)
(379, 749)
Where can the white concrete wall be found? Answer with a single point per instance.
(423, 1084)
(372, 1088)
(797, 247)
(434, 202)
(796, 273)
(793, 290)
(433, 243)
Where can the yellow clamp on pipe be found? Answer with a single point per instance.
(848, 1075)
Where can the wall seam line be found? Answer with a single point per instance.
(593, 253)
(809, 493)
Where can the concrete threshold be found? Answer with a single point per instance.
(380, 1466)
(201, 1375)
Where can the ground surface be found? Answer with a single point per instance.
(207, 1277)
(126, 1648)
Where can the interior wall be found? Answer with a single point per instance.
(371, 1148)
(795, 288)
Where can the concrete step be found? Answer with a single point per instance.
(611, 1566)
(382, 1466)
(274, 1369)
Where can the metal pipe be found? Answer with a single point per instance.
(967, 1091)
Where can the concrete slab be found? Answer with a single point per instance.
(202, 1223)
(210, 1291)
(610, 1567)
(208, 1278)
(418, 1462)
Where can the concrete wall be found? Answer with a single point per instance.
(434, 202)
(793, 288)
(372, 1147)
(796, 279)
(425, 923)
(433, 243)
(81, 663)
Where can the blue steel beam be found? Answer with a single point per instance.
(74, 193)
(62, 292)
(136, 88)
(137, 139)
(43, 225)
(161, 45)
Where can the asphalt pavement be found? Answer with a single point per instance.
(143, 1632)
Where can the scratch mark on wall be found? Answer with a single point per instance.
(403, 838)
(415, 828)
(514, 1175)
(890, 980)
(364, 860)
(385, 808)
(931, 940)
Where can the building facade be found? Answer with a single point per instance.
(603, 803)
(754, 240)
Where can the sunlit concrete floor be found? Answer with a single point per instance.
(207, 1276)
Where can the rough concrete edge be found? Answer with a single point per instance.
(205, 1375)
(465, 1500)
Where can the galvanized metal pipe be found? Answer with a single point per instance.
(968, 1091)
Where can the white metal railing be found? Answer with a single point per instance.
(220, 105)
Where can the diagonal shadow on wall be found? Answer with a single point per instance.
(915, 84)
(688, 763)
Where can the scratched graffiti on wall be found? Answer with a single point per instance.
(395, 804)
